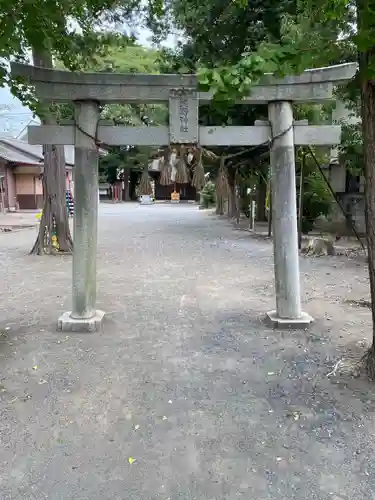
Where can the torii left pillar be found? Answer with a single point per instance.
(84, 317)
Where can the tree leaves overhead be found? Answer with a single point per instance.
(73, 30)
(129, 57)
(233, 44)
(218, 31)
(313, 36)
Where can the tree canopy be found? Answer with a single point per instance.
(73, 30)
(316, 35)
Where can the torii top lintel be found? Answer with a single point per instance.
(313, 85)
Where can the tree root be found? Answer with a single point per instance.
(355, 366)
(41, 250)
(368, 362)
(43, 247)
(347, 367)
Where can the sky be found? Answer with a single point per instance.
(14, 117)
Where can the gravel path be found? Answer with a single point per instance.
(185, 381)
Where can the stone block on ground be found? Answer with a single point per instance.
(318, 247)
(66, 323)
(275, 321)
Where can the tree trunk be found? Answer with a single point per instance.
(232, 209)
(126, 190)
(237, 200)
(261, 200)
(368, 126)
(54, 233)
(366, 69)
(219, 205)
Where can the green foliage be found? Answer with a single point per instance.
(128, 58)
(351, 152)
(119, 158)
(123, 55)
(217, 32)
(208, 195)
(180, 59)
(316, 114)
(109, 168)
(75, 32)
(232, 82)
(226, 55)
(312, 34)
(131, 58)
(317, 200)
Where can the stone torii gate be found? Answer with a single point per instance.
(88, 90)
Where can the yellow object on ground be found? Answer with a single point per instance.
(175, 196)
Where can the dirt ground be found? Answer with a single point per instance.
(185, 394)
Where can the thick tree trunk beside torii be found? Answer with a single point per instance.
(55, 215)
(368, 126)
(366, 59)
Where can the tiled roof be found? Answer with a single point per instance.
(18, 151)
(15, 156)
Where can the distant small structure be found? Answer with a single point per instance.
(21, 169)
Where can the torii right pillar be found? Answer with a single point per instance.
(288, 313)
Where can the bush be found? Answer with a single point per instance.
(208, 195)
(317, 200)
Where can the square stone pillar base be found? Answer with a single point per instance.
(66, 323)
(273, 320)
